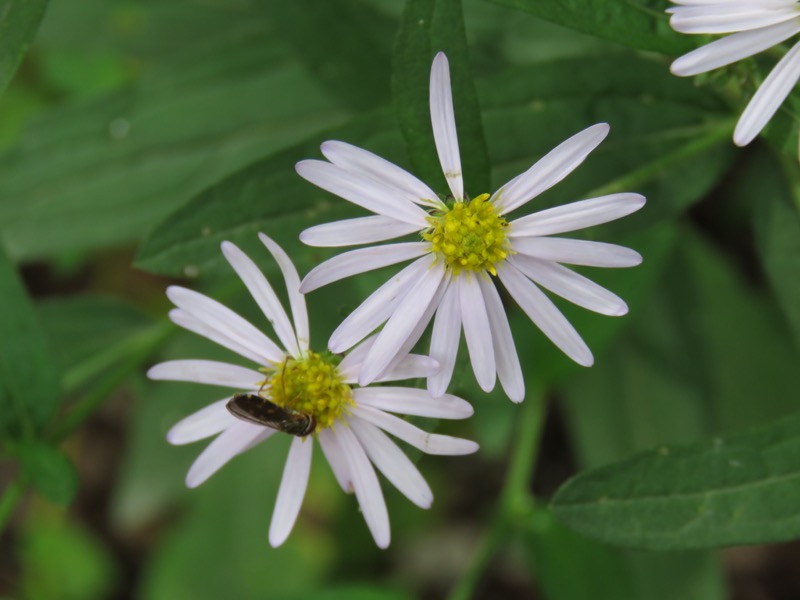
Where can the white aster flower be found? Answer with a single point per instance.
(465, 245)
(310, 395)
(755, 26)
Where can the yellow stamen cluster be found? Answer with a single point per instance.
(470, 236)
(313, 386)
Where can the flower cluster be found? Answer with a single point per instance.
(465, 247)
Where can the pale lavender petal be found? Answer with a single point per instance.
(444, 340)
(209, 372)
(263, 294)
(360, 261)
(336, 459)
(430, 443)
(577, 215)
(392, 462)
(365, 483)
(443, 120)
(363, 161)
(571, 286)
(410, 366)
(550, 169)
(509, 370)
(766, 101)
(577, 252)
(363, 191)
(225, 446)
(204, 423)
(412, 401)
(733, 48)
(477, 332)
(545, 315)
(296, 300)
(351, 363)
(352, 232)
(729, 17)
(378, 307)
(183, 319)
(225, 321)
(292, 490)
(401, 325)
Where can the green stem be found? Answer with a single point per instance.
(516, 502)
(8, 502)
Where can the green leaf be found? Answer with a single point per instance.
(736, 489)
(360, 592)
(19, 20)
(777, 228)
(100, 172)
(425, 29)
(344, 43)
(27, 368)
(50, 472)
(267, 196)
(641, 24)
(62, 561)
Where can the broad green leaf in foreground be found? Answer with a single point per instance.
(27, 369)
(19, 20)
(730, 490)
(638, 23)
(101, 171)
(428, 27)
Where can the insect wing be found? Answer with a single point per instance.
(260, 411)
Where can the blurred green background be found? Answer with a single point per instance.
(137, 135)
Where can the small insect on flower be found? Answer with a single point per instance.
(257, 409)
(311, 396)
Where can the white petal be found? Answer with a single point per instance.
(209, 372)
(378, 307)
(404, 320)
(571, 286)
(336, 459)
(577, 252)
(410, 366)
(576, 215)
(363, 191)
(509, 370)
(263, 294)
(545, 315)
(352, 232)
(183, 319)
(291, 492)
(234, 440)
(477, 332)
(732, 48)
(443, 120)
(392, 462)
(550, 169)
(366, 486)
(204, 423)
(444, 340)
(296, 300)
(430, 443)
(728, 18)
(769, 97)
(412, 401)
(360, 261)
(353, 158)
(224, 320)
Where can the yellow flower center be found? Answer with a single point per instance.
(311, 385)
(469, 236)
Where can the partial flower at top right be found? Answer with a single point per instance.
(754, 26)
